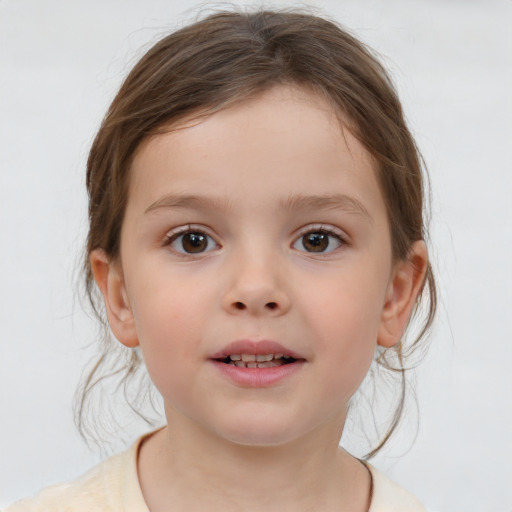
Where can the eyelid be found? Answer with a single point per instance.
(326, 228)
(186, 228)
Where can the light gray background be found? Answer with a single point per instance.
(60, 64)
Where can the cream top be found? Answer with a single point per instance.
(113, 486)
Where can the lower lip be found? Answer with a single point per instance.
(258, 377)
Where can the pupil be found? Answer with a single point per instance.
(315, 242)
(194, 242)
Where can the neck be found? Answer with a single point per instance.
(189, 468)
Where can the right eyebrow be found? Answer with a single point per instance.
(189, 202)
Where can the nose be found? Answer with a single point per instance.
(257, 287)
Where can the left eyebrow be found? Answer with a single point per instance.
(326, 202)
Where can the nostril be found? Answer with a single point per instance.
(241, 306)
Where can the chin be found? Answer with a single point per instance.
(258, 432)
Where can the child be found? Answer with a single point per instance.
(256, 228)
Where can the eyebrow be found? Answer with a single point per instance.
(292, 203)
(189, 202)
(326, 202)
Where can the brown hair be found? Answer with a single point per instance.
(226, 58)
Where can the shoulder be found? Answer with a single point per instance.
(96, 490)
(388, 496)
(110, 486)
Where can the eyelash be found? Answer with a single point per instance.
(324, 230)
(172, 237)
(175, 235)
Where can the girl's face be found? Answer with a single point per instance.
(260, 230)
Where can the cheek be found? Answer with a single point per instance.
(346, 322)
(346, 360)
(350, 313)
(348, 350)
(169, 319)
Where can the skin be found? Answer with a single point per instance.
(272, 448)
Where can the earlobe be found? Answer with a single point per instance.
(405, 285)
(109, 278)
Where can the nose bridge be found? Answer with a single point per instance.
(256, 284)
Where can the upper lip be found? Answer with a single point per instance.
(260, 347)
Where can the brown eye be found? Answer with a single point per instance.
(315, 242)
(192, 242)
(318, 241)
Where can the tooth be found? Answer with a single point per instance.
(235, 357)
(248, 357)
(252, 364)
(268, 364)
(231, 363)
(240, 364)
(287, 357)
(278, 356)
(262, 358)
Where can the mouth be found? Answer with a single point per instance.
(257, 360)
(256, 354)
(257, 364)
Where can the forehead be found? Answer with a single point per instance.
(286, 141)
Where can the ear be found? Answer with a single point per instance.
(109, 278)
(406, 283)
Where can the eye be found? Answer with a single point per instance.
(191, 242)
(319, 241)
